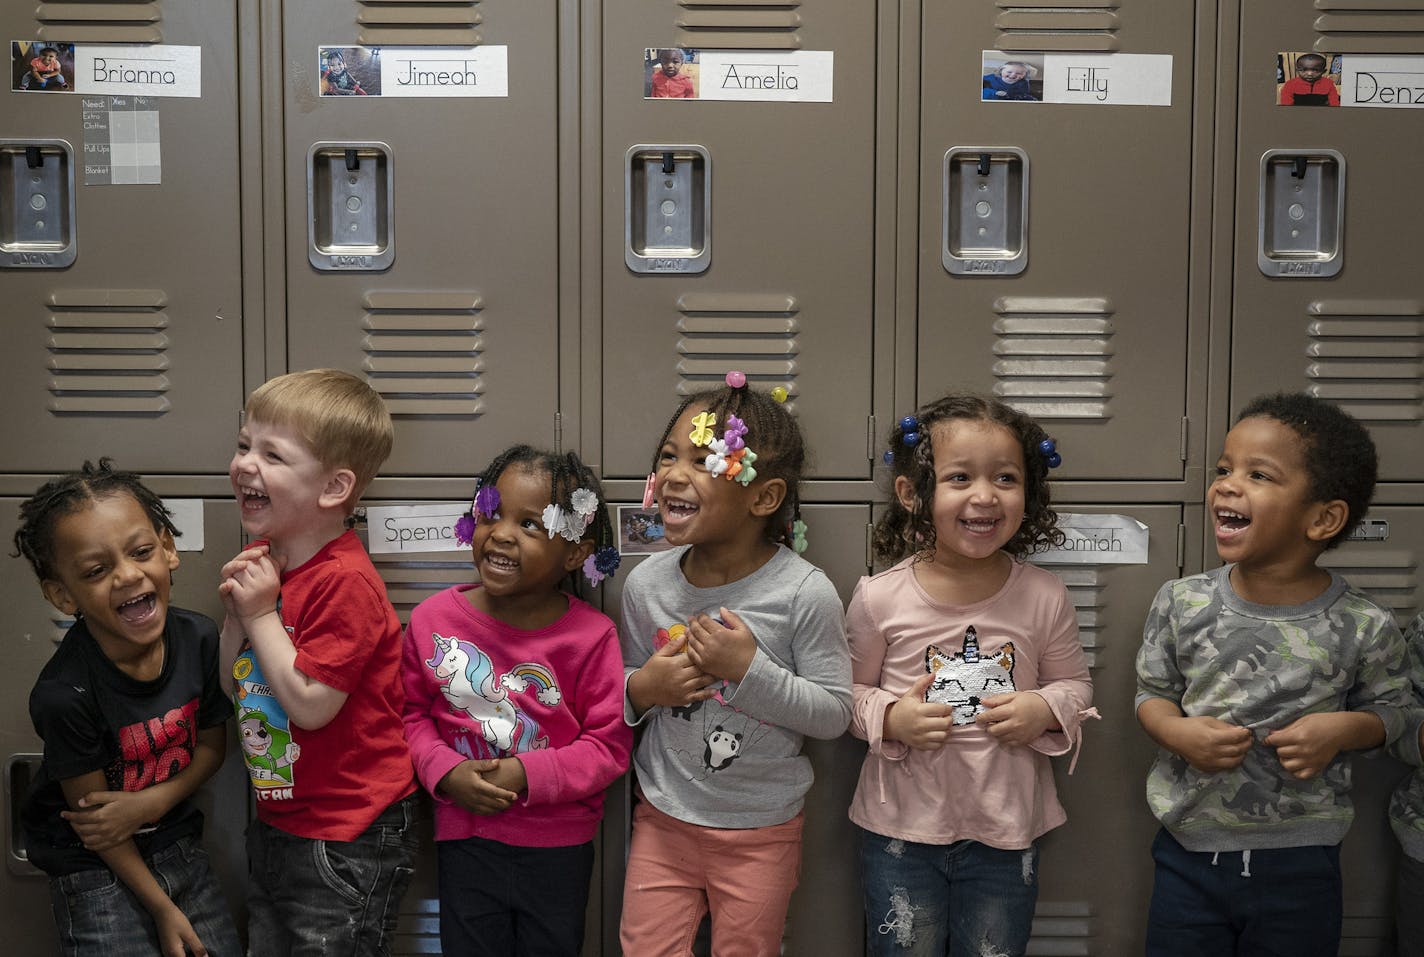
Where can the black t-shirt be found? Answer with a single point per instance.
(94, 717)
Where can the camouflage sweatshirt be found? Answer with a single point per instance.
(1262, 667)
(1406, 807)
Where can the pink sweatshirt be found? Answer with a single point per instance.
(973, 788)
(478, 688)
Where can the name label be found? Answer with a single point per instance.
(768, 76)
(1098, 540)
(430, 527)
(134, 70)
(445, 72)
(1382, 82)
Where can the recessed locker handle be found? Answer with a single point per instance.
(20, 772)
(37, 204)
(1301, 213)
(350, 210)
(667, 208)
(985, 228)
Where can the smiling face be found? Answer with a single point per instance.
(979, 490)
(280, 484)
(113, 568)
(1260, 501)
(512, 550)
(696, 506)
(1012, 73)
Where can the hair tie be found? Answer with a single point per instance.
(1049, 450)
(736, 380)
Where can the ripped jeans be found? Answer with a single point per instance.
(964, 899)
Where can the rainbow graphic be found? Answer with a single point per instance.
(521, 676)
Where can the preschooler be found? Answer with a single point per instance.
(968, 675)
(311, 646)
(1009, 83)
(1310, 86)
(513, 710)
(1253, 678)
(735, 649)
(132, 716)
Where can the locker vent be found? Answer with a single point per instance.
(409, 581)
(1085, 589)
(1390, 576)
(417, 925)
(107, 22)
(1064, 928)
(1369, 26)
(739, 24)
(751, 332)
(1368, 357)
(108, 352)
(423, 352)
(1074, 26)
(1053, 356)
(418, 22)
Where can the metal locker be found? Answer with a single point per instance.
(120, 252)
(423, 233)
(1383, 560)
(1060, 261)
(824, 918)
(37, 629)
(738, 235)
(1325, 295)
(1109, 829)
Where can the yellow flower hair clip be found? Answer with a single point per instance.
(702, 428)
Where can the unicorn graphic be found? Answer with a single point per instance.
(470, 686)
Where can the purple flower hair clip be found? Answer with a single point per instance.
(465, 529)
(487, 501)
(601, 564)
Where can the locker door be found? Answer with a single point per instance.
(455, 319)
(1109, 830)
(36, 630)
(786, 296)
(1356, 337)
(138, 341)
(1388, 569)
(825, 914)
(1093, 336)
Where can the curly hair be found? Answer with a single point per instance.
(1339, 455)
(73, 492)
(567, 474)
(772, 431)
(902, 531)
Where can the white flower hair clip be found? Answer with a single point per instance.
(571, 524)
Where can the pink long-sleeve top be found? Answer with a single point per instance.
(552, 697)
(973, 788)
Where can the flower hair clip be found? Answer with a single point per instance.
(485, 504)
(601, 564)
(729, 457)
(798, 536)
(572, 522)
(701, 433)
(1049, 450)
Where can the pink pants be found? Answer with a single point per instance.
(677, 871)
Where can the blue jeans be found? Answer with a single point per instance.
(962, 899)
(1280, 902)
(314, 898)
(97, 914)
(498, 900)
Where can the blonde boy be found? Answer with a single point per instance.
(314, 649)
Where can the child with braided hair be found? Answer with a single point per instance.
(735, 650)
(512, 709)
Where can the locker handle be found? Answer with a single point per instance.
(669, 167)
(984, 160)
(20, 771)
(1299, 171)
(34, 159)
(353, 161)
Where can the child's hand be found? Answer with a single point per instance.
(252, 587)
(1018, 717)
(725, 651)
(508, 774)
(917, 723)
(467, 786)
(106, 819)
(1307, 745)
(175, 933)
(1210, 745)
(669, 678)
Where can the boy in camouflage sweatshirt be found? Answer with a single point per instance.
(1406, 809)
(1253, 678)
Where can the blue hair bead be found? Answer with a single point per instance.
(1048, 446)
(909, 424)
(911, 439)
(1055, 460)
(889, 457)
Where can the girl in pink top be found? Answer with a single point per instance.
(514, 710)
(967, 674)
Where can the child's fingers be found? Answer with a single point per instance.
(920, 687)
(673, 647)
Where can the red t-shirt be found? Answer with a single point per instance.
(332, 783)
(671, 86)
